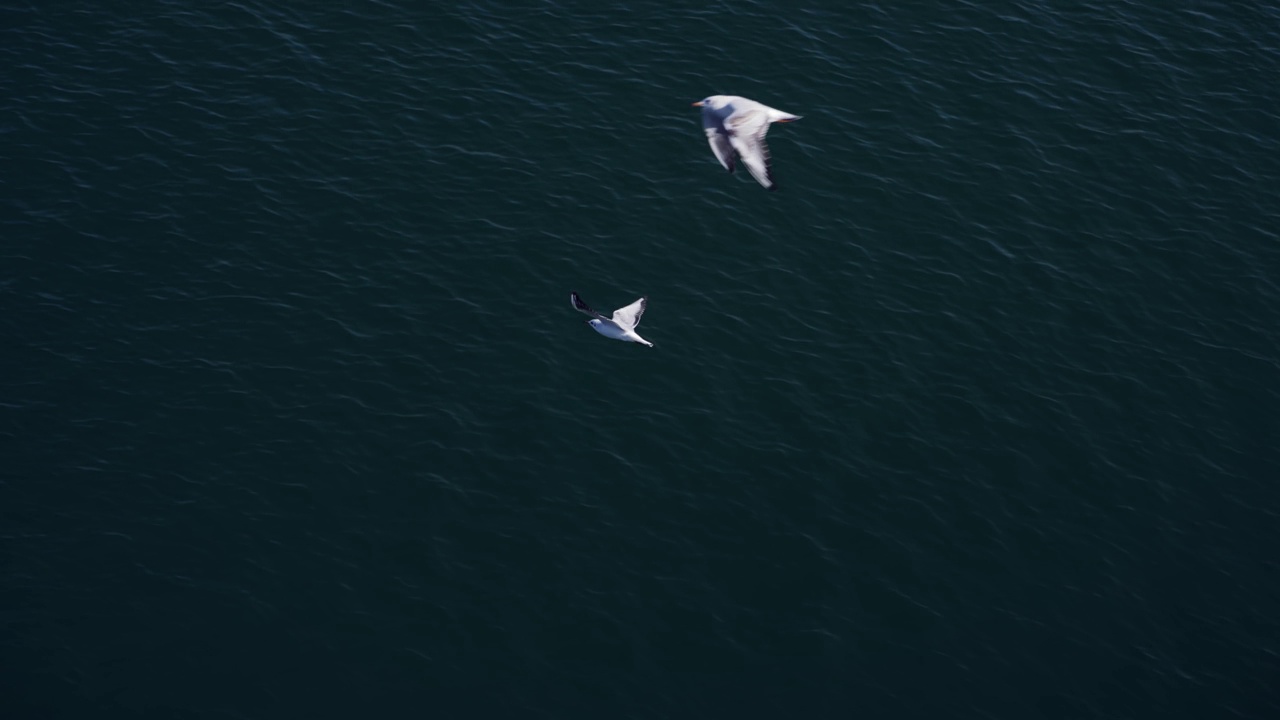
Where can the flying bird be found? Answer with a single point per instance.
(623, 324)
(736, 125)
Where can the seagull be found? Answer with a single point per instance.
(736, 124)
(624, 322)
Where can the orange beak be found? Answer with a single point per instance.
(698, 104)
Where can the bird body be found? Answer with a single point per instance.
(622, 326)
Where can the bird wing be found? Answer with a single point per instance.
(721, 147)
(718, 138)
(583, 307)
(629, 316)
(747, 129)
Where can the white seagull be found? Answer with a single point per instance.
(624, 322)
(736, 124)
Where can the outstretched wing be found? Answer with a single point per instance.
(719, 142)
(717, 137)
(747, 130)
(583, 307)
(629, 316)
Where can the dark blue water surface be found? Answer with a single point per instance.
(976, 417)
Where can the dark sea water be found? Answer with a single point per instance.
(976, 417)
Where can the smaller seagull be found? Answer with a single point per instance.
(624, 322)
(738, 125)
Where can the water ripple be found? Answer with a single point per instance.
(982, 392)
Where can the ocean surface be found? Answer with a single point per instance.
(975, 417)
